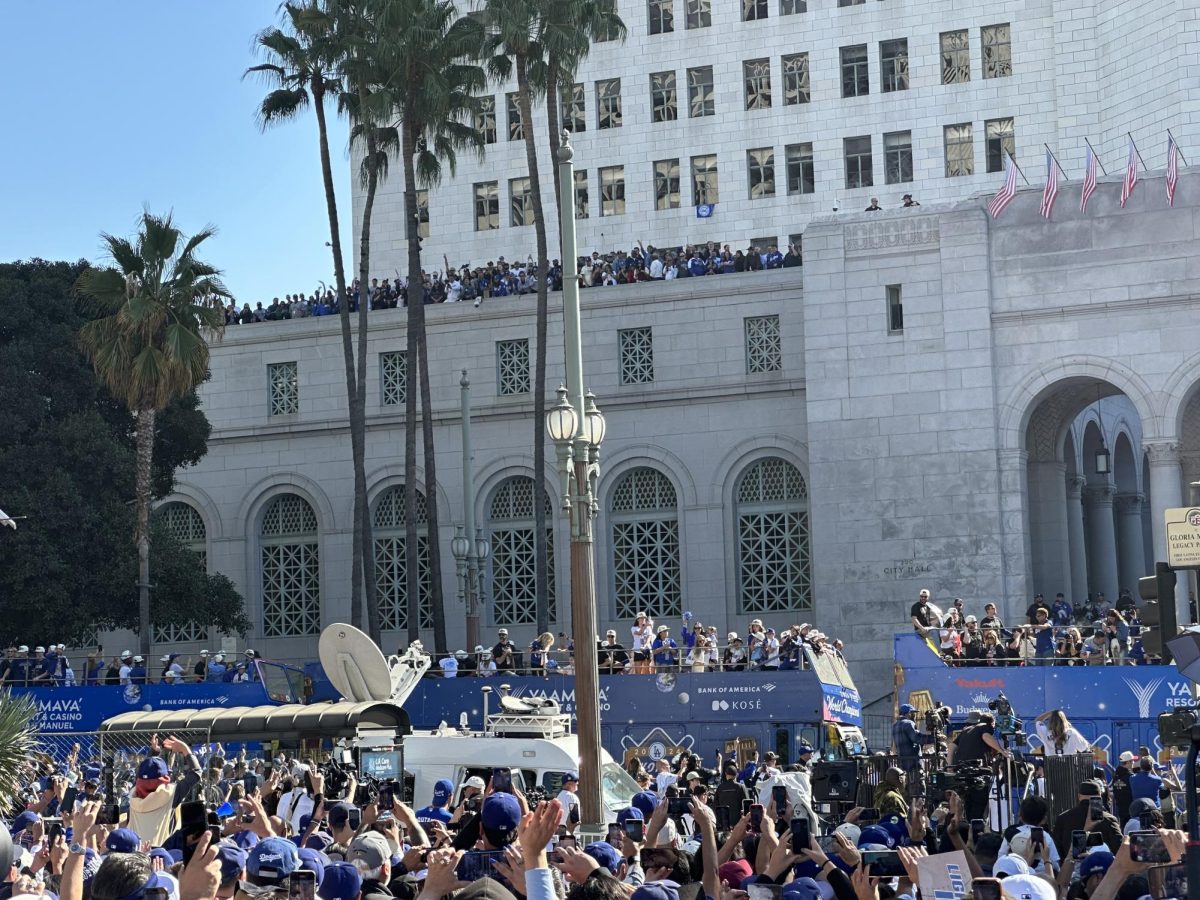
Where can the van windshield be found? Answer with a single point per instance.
(617, 787)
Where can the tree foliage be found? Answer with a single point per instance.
(67, 462)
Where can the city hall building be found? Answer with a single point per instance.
(924, 403)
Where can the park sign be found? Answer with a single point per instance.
(1183, 537)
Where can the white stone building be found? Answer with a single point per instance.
(779, 111)
(916, 406)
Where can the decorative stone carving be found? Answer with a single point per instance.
(892, 234)
(1162, 453)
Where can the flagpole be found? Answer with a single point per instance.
(1177, 150)
(1013, 160)
(1056, 162)
(1096, 156)
(1137, 151)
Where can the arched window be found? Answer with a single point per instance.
(644, 517)
(185, 524)
(291, 568)
(771, 516)
(510, 524)
(391, 567)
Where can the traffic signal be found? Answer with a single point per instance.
(1158, 614)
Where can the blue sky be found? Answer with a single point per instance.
(113, 107)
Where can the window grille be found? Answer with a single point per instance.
(644, 517)
(391, 560)
(291, 568)
(637, 355)
(283, 380)
(771, 515)
(512, 363)
(513, 560)
(764, 345)
(393, 377)
(186, 525)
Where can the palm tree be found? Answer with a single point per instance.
(18, 743)
(513, 29)
(303, 64)
(425, 48)
(148, 344)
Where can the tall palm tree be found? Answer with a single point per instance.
(513, 30)
(303, 64)
(148, 344)
(426, 48)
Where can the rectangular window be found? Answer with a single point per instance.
(666, 184)
(859, 168)
(574, 110)
(422, 213)
(608, 103)
(795, 79)
(760, 164)
(487, 206)
(756, 77)
(895, 310)
(581, 194)
(701, 99)
(664, 102)
(637, 355)
(842, 3)
(283, 385)
(753, 10)
(764, 347)
(520, 202)
(997, 50)
(792, 7)
(956, 57)
(897, 157)
(512, 367)
(515, 131)
(699, 13)
(959, 142)
(1001, 138)
(612, 191)
(662, 16)
(800, 176)
(704, 179)
(485, 118)
(893, 65)
(393, 378)
(855, 80)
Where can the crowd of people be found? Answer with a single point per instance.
(502, 278)
(50, 666)
(1057, 633)
(651, 649)
(186, 824)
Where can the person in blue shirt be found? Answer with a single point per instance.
(18, 669)
(1043, 640)
(216, 669)
(137, 672)
(46, 669)
(94, 671)
(1061, 612)
(696, 266)
(664, 648)
(773, 258)
(437, 810)
(1144, 784)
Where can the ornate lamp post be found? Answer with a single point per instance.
(469, 556)
(577, 429)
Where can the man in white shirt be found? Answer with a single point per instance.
(569, 798)
(771, 650)
(665, 777)
(656, 267)
(449, 666)
(126, 667)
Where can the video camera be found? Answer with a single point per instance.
(1180, 727)
(937, 720)
(961, 780)
(1007, 723)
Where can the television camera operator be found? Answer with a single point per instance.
(908, 741)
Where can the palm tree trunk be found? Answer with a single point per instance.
(416, 307)
(553, 103)
(541, 574)
(141, 536)
(357, 450)
(436, 598)
(358, 410)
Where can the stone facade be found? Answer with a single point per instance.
(940, 454)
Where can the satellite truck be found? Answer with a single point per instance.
(527, 738)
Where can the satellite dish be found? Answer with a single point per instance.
(360, 673)
(517, 705)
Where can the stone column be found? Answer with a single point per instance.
(1077, 591)
(1102, 540)
(1131, 557)
(1048, 524)
(1166, 492)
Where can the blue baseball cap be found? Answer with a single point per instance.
(339, 814)
(876, 834)
(442, 792)
(247, 840)
(804, 747)
(501, 812)
(571, 776)
(25, 820)
(657, 890)
(630, 813)
(153, 767)
(122, 841)
(894, 826)
(342, 881)
(232, 859)
(314, 861)
(273, 859)
(802, 889)
(906, 708)
(606, 854)
(645, 801)
(1095, 863)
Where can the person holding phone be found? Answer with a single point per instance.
(1032, 813)
(568, 797)
(1088, 815)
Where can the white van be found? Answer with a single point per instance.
(540, 762)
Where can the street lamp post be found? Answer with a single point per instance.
(577, 429)
(469, 555)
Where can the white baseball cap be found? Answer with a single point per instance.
(1010, 865)
(40, 649)
(1127, 756)
(1027, 887)
(204, 653)
(125, 654)
(474, 782)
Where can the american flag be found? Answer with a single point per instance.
(1089, 179)
(1172, 168)
(1050, 193)
(1131, 178)
(1007, 191)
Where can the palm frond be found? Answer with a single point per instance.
(18, 740)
